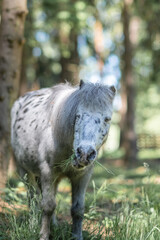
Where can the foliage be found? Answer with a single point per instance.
(150, 40)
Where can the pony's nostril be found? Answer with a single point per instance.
(91, 155)
(85, 155)
(79, 151)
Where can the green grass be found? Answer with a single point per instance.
(149, 154)
(121, 204)
(143, 154)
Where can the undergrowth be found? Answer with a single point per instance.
(120, 206)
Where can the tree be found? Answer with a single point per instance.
(11, 44)
(148, 11)
(128, 135)
(27, 57)
(70, 69)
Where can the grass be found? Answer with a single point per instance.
(66, 163)
(143, 154)
(149, 154)
(121, 204)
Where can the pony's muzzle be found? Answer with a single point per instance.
(87, 155)
(84, 156)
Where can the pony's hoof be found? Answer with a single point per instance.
(77, 237)
(54, 221)
(44, 237)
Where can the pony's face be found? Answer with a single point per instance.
(91, 130)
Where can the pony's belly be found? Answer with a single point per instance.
(26, 159)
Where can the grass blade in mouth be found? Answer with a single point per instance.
(65, 163)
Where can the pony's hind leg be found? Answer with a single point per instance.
(55, 185)
(33, 189)
(28, 180)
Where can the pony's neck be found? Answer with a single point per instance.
(63, 120)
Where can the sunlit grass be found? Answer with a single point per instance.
(122, 205)
(149, 154)
(143, 154)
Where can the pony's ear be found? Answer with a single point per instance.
(81, 83)
(112, 88)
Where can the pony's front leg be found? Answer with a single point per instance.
(77, 210)
(48, 205)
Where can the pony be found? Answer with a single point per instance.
(57, 132)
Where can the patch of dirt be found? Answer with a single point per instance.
(6, 207)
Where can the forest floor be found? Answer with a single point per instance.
(121, 204)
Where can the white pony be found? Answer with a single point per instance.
(52, 125)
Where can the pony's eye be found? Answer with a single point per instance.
(78, 116)
(107, 119)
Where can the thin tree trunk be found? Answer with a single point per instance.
(128, 135)
(99, 45)
(23, 82)
(25, 85)
(11, 43)
(70, 66)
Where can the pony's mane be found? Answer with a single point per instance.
(94, 97)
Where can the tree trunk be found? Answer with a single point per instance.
(27, 58)
(128, 135)
(99, 45)
(11, 43)
(70, 66)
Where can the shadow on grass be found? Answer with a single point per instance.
(112, 200)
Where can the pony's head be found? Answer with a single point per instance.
(92, 121)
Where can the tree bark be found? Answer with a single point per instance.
(99, 45)
(128, 135)
(11, 44)
(70, 66)
(27, 57)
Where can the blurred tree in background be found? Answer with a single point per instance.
(11, 43)
(112, 42)
(128, 135)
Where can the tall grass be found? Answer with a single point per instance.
(25, 225)
(108, 216)
(133, 224)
